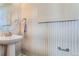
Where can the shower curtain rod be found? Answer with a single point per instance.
(57, 21)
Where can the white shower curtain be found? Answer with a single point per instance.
(63, 39)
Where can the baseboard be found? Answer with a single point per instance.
(33, 53)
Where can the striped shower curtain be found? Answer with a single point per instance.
(63, 38)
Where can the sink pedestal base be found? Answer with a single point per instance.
(11, 50)
(0, 50)
(7, 50)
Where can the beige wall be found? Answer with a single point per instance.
(26, 12)
(70, 11)
(57, 11)
(20, 11)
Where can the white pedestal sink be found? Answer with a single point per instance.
(10, 41)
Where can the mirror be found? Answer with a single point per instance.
(4, 17)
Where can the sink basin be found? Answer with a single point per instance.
(10, 39)
(10, 42)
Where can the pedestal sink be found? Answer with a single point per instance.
(10, 41)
